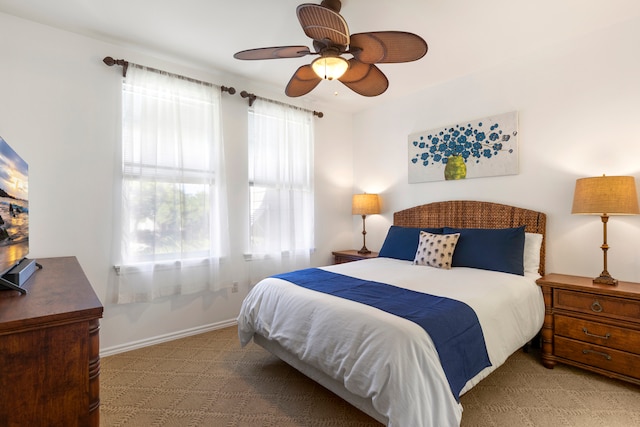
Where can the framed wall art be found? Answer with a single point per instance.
(469, 149)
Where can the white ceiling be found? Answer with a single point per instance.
(464, 36)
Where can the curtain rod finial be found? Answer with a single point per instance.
(231, 89)
(251, 97)
(110, 62)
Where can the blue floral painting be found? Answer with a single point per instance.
(471, 149)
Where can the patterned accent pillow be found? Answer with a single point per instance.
(436, 250)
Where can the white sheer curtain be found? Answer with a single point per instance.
(174, 234)
(281, 188)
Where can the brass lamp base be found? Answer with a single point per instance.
(605, 280)
(364, 250)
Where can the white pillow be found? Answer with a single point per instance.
(532, 244)
(436, 250)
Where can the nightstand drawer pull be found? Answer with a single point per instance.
(596, 307)
(605, 355)
(605, 337)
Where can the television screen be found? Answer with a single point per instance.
(14, 208)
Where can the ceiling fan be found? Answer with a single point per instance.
(331, 40)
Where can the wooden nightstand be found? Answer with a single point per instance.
(351, 255)
(595, 327)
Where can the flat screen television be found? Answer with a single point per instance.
(14, 208)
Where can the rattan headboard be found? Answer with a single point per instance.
(472, 214)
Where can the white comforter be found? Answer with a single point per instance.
(386, 358)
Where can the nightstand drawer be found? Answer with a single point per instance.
(597, 333)
(605, 306)
(602, 357)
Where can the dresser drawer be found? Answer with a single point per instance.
(605, 306)
(597, 333)
(594, 355)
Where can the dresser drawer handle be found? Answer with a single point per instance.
(596, 307)
(605, 337)
(605, 355)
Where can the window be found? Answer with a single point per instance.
(281, 185)
(174, 223)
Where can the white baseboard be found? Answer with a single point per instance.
(164, 338)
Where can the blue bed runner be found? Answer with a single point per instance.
(452, 325)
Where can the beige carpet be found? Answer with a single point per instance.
(208, 380)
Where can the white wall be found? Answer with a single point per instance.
(59, 109)
(578, 107)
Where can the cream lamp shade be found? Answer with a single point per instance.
(611, 195)
(604, 196)
(365, 204)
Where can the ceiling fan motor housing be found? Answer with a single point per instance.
(334, 5)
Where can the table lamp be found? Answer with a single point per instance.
(365, 204)
(604, 196)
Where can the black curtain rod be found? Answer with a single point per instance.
(252, 97)
(125, 66)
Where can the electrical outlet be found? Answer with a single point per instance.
(234, 288)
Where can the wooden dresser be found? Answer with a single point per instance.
(595, 327)
(351, 255)
(49, 349)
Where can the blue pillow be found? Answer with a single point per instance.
(499, 249)
(402, 242)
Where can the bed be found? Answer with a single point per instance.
(394, 368)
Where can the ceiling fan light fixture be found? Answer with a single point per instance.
(330, 67)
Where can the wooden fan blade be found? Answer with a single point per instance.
(387, 47)
(320, 23)
(273, 52)
(364, 79)
(303, 81)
